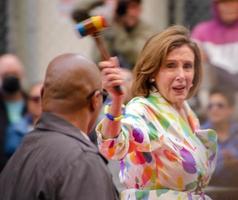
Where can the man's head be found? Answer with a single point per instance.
(72, 89)
(227, 11)
(128, 13)
(11, 73)
(221, 106)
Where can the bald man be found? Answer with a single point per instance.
(12, 101)
(56, 161)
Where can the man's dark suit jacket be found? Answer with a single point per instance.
(56, 162)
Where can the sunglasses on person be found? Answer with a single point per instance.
(102, 92)
(35, 99)
(216, 105)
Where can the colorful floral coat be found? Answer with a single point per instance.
(162, 155)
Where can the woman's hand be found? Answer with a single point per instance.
(111, 77)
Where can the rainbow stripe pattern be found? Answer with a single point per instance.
(91, 25)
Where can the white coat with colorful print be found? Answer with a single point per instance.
(162, 155)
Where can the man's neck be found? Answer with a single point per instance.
(79, 120)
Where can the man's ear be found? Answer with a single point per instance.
(42, 92)
(95, 102)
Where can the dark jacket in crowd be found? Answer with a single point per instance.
(56, 162)
(4, 122)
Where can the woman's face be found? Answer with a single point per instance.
(175, 76)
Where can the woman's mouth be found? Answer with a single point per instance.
(179, 89)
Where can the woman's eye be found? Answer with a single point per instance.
(188, 66)
(170, 65)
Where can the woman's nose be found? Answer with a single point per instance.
(180, 73)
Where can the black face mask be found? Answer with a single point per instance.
(10, 84)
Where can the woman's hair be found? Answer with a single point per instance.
(154, 53)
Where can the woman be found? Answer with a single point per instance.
(163, 153)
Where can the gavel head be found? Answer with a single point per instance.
(91, 26)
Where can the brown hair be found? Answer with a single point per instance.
(154, 54)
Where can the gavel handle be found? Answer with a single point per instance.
(105, 54)
(101, 46)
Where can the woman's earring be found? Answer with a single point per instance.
(152, 80)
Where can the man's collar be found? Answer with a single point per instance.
(53, 122)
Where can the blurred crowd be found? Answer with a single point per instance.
(19, 109)
(215, 104)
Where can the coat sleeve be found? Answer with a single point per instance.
(86, 178)
(137, 133)
(209, 139)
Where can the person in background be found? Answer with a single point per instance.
(220, 112)
(57, 160)
(12, 99)
(18, 130)
(157, 137)
(126, 34)
(34, 103)
(218, 39)
(86, 8)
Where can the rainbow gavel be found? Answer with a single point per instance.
(93, 26)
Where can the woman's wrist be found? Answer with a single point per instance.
(116, 106)
(114, 117)
(111, 128)
(117, 99)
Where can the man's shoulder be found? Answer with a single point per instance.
(53, 152)
(54, 139)
(52, 145)
(69, 153)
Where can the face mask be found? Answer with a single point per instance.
(10, 84)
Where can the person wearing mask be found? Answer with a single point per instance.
(220, 117)
(57, 160)
(17, 131)
(12, 99)
(157, 137)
